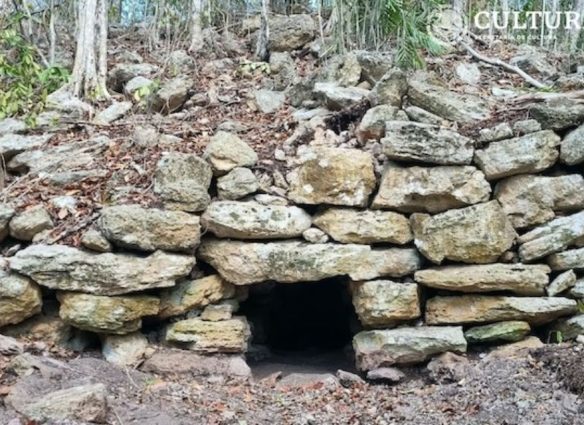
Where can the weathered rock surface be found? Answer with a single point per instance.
(289, 261)
(494, 134)
(390, 89)
(28, 223)
(93, 240)
(412, 141)
(578, 290)
(236, 184)
(345, 70)
(6, 214)
(485, 308)
(570, 259)
(558, 114)
(333, 176)
(336, 97)
(380, 348)
(433, 190)
(13, 144)
(136, 86)
(530, 153)
(149, 229)
(372, 125)
(314, 235)
(571, 148)
(113, 112)
(374, 65)
(290, 32)
(531, 200)
(218, 312)
(227, 151)
(436, 98)
(384, 303)
(569, 328)
(522, 279)
(182, 181)
(552, 237)
(476, 234)
(103, 314)
(354, 226)
(194, 294)
(511, 331)
(561, 283)
(269, 101)
(10, 346)
(71, 269)
(20, 298)
(124, 72)
(171, 96)
(85, 403)
(227, 336)
(251, 220)
(124, 350)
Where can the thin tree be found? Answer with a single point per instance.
(196, 26)
(262, 49)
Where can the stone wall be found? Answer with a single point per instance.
(448, 239)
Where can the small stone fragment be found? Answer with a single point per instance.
(93, 239)
(236, 184)
(124, 350)
(227, 151)
(28, 223)
(494, 134)
(561, 283)
(387, 374)
(314, 235)
(511, 331)
(570, 259)
(217, 312)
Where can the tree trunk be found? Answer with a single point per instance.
(262, 51)
(102, 24)
(574, 31)
(196, 26)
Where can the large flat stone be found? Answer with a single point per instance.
(381, 348)
(251, 220)
(552, 237)
(558, 114)
(411, 141)
(476, 234)
(566, 260)
(530, 153)
(433, 189)
(336, 97)
(354, 226)
(149, 229)
(333, 176)
(384, 303)
(226, 336)
(244, 263)
(103, 314)
(13, 144)
(572, 148)
(531, 200)
(511, 331)
(484, 309)
(522, 279)
(71, 269)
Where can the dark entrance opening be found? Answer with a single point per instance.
(302, 323)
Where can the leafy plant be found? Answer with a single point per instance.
(25, 82)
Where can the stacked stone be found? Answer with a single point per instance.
(458, 242)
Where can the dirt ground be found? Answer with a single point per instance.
(542, 386)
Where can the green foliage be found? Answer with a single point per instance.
(408, 21)
(26, 83)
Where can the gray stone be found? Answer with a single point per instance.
(71, 269)
(411, 141)
(314, 235)
(226, 336)
(526, 126)
(136, 88)
(11, 126)
(105, 314)
(289, 261)
(374, 65)
(431, 95)
(283, 70)
(366, 227)
(336, 97)
(476, 234)
(217, 312)
(333, 176)
(227, 151)
(561, 283)
(13, 144)
(532, 200)
(85, 403)
(386, 374)
(511, 331)
(6, 214)
(571, 148)
(26, 224)
(171, 96)
(570, 259)
(578, 290)
(251, 220)
(569, 328)
(468, 73)
(236, 184)
(20, 298)
(494, 134)
(179, 61)
(558, 114)
(10, 346)
(468, 309)
(149, 229)
(269, 101)
(552, 237)
(182, 181)
(124, 350)
(380, 348)
(384, 303)
(421, 115)
(113, 112)
(372, 125)
(531, 153)
(534, 61)
(124, 72)
(522, 279)
(290, 32)
(93, 240)
(390, 89)
(433, 189)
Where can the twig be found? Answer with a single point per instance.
(541, 97)
(504, 65)
(74, 229)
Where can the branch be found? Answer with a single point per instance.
(504, 65)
